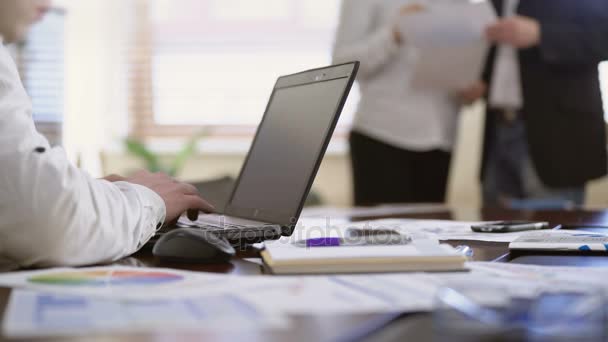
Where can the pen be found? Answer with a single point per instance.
(365, 241)
(508, 226)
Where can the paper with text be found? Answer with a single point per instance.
(31, 314)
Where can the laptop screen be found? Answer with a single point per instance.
(289, 144)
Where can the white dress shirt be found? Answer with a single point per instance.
(52, 213)
(505, 90)
(391, 110)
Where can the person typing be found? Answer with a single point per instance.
(51, 212)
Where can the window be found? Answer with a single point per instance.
(41, 64)
(214, 62)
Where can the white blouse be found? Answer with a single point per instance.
(390, 110)
(52, 213)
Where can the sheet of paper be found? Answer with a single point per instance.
(283, 295)
(556, 276)
(562, 240)
(387, 293)
(422, 229)
(272, 297)
(31, 314)
(114, 281)
(447, 230)
(419, 229)
(325, 295)
(308, 228)
(405, 292)
(449, 43)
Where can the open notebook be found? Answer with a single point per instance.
(286, 258)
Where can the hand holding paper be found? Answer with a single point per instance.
(405, 11)
(518, 31)
(473, 93)
(449, 41)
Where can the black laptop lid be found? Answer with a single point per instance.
(289, 145)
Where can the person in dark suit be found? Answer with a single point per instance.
(545, 130)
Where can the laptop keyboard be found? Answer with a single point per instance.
(186, 223)
(230, 231)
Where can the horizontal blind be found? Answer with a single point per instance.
(214, 62)
(41, 59)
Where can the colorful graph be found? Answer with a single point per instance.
(105, 278)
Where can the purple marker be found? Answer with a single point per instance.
(321, 242)
(336, 242)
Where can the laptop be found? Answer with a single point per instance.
(284, 157)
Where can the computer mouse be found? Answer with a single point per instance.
(193, 245)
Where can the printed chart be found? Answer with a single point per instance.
(105, 278)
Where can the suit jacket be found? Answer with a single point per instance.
(562, 107)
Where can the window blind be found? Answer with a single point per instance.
(41, 62)
(214, 62)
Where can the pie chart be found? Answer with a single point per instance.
(106, 278)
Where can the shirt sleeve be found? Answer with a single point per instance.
(576, 33)
(52, 212)
(358, 38)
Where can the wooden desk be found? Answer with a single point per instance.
(346, 327)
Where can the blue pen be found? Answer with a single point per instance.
(361, 241)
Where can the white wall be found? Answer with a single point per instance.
(95, 110)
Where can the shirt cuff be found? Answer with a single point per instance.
(153, 206)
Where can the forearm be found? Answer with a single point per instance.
(61, 216)
(569, 44)
(576, 38)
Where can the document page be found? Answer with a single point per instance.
(31, 314)
(448, 40)
(250, 301)
(445, 230)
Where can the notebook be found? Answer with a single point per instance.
(283, 257)
(562, 242)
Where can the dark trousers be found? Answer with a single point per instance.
(510, 177)
(386, 174)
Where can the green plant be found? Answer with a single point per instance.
(153, 161)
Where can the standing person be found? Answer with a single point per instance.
(402, 137)
(545, 129)
(52, 213)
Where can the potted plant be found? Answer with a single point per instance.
(153, 161)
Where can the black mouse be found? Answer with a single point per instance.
(193, 245)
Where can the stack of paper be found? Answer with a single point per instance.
(428, 255)
(566, 241)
